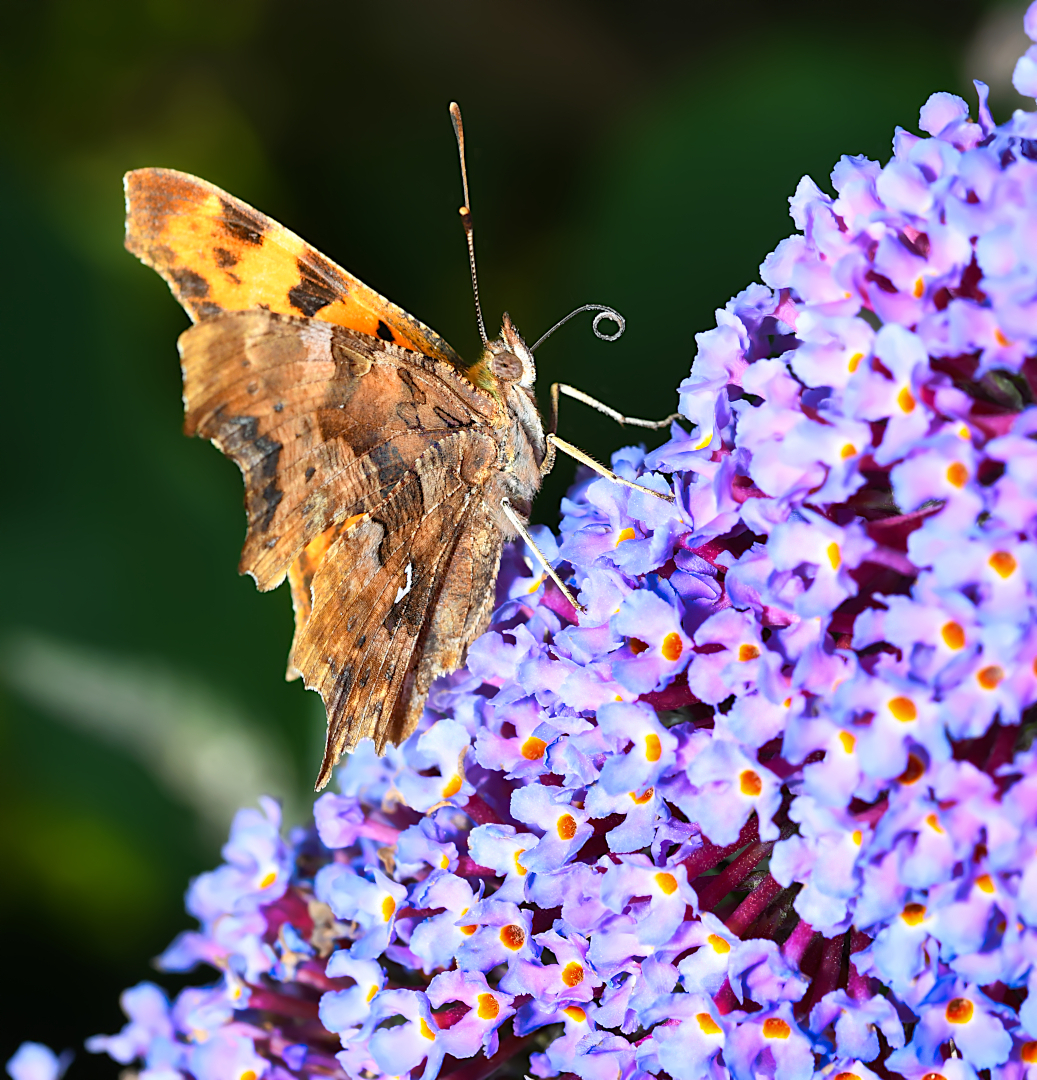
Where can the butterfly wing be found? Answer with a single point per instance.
(399, 596)
(322, 421)
(365, 466)
(219, 254)
(366, 454)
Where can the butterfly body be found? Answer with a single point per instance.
(376, 463)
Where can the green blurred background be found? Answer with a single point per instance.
(636, 154)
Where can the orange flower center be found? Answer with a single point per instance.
(989, 677)
(913, 914)
(572, 974)
(750, 783)
(707, 1024)
(776, 1028)
(653, 747)
(513, 937)
(452, 786)
(748, 652)
(667, 883)
(672, 647)
(959, 1011)
(957, 474)
(533, 748)
(388, 908)
(904, 709)
(566, 826)
(1003, 563)
(906, 400)
(953, 635)
(914, 771)
(489, 1007)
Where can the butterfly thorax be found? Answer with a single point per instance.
(512, 370)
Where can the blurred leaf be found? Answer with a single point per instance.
(201, 748)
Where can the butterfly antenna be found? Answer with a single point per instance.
(604, 312)
(466, 214)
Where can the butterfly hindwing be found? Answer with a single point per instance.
(218, 254)
(323, 422)
(395, 600)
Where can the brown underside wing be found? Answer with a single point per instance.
(372, 480)
(375, 461)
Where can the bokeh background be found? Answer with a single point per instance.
(636, 154)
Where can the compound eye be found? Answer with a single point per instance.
(506, 365)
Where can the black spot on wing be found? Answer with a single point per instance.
(389, 463)
(190, 285)
(417, 395)
(258, 456)
(272, 495)
(271, 451)
(343, 681)
(384, 332)
(240, 224)
(309, 472)
(313, 291)
(449, 419)
(224, 258)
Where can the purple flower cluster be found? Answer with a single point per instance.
(768, 807)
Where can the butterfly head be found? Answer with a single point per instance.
(509, 358)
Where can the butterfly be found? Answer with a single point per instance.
(382, 473)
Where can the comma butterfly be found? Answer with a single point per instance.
(382, 473)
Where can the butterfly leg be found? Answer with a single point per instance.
(579, 395)
(555, 443)
(520, 526)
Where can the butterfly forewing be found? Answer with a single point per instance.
(322, 421)
(217, 254)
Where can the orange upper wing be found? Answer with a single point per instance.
(219, 254)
